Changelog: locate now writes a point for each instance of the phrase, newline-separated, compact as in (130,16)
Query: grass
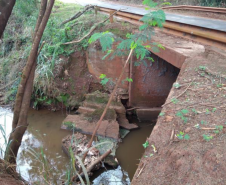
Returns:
(17,43)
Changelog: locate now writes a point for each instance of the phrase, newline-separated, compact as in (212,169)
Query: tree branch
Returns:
(77,15)
(91,30)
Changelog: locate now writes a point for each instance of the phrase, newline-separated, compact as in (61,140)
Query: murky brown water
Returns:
(44,131)
(131,150)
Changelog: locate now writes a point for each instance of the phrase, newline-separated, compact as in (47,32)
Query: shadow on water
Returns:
(44,131)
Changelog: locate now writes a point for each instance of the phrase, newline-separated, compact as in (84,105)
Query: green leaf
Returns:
(184,111)
(150,3)
(162,114)
(104,81)
(146,144)
(186,137)
(166,3)
(129,79)
(161,46)
(102,76)
(214,109)
(179,114)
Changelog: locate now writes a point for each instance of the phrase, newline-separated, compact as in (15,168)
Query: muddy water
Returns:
(44,132)
(131,150)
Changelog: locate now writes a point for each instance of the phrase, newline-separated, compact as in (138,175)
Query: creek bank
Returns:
(186,145)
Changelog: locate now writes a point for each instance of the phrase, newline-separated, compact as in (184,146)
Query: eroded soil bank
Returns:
(187,143)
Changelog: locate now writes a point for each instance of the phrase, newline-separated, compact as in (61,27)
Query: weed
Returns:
(194,110)
(162,114)
(204,122)
(207,137)
(69,125)
(214,109)
(174,100)
(182,114)
(182,136)
(218,129)
(146,144)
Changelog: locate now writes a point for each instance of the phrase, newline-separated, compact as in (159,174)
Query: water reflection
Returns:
(43,132)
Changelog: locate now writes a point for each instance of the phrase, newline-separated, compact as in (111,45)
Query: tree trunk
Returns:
(25,88)
(6,7)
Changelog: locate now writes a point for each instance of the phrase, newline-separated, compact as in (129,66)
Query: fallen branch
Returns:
(77,15)
(178,95)
(144,164)
(172,135)
(207,128)
(91,30)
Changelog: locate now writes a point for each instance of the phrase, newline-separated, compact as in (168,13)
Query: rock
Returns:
(187,130)
(112,177)
(111,144)
(79,123)
(129,126)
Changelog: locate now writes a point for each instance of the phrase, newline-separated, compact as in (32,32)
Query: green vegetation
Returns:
(17,43)
(207,137)
(182,136)
(182,115)
(146,144)
(69,125)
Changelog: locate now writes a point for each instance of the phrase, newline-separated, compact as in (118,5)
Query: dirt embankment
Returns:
(8,175)
(187,143)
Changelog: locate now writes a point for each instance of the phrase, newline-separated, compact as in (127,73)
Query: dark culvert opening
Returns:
(152,82)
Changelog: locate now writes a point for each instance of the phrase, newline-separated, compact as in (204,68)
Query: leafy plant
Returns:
(146,144)
(194,110)
(104,79)
(203,122)
(161,113)
(207,137)
(182,136)
(182,114)
(174,100)
(218,129)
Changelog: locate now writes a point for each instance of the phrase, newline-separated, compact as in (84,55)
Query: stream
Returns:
(44,132)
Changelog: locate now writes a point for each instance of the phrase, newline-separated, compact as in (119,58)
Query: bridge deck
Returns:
(214,24)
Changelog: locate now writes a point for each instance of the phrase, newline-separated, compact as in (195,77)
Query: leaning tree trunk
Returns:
(6,7)
(25,88)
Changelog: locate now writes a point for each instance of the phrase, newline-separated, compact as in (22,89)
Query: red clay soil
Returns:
(9,176)
(187,145)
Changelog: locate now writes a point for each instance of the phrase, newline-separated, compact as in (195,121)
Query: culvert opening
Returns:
(151,86)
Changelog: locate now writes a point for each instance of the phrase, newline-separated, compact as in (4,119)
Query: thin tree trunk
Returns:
(6,7)
(26,86)
(31,60)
